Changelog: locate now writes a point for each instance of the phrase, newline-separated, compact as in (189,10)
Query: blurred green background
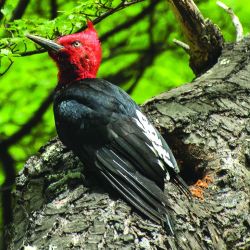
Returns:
(138,55)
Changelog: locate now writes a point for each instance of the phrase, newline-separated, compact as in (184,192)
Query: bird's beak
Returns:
(45,43)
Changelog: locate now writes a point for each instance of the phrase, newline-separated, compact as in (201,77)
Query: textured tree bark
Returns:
(203,37)
(208,126)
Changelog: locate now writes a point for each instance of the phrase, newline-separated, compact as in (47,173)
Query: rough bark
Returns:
(207,124)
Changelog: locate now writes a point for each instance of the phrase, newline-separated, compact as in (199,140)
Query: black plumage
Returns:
(107,130)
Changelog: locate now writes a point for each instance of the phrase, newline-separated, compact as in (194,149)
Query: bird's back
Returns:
(87,107)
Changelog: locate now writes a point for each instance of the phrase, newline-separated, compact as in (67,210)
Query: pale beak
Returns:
(45,43)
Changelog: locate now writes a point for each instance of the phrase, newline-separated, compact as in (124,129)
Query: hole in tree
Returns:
(191,169)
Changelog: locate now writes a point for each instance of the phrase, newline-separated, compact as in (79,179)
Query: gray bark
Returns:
(206,122)
(203,37)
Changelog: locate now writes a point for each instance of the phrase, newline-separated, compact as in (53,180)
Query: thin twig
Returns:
(131,21)
(236,22)
(134,51)
(182,45)
(32,52)
(11,62)
(121,6)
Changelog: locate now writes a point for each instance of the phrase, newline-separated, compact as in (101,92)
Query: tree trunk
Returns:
(206,123)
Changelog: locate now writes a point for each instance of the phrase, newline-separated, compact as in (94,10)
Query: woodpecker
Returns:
(107,130)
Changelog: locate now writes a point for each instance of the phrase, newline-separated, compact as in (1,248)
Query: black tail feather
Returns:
(143,194)
(183,187)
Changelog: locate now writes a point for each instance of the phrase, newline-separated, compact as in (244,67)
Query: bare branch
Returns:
(146,59)
(182,45)
(235,20)
(203,37)
(5,71)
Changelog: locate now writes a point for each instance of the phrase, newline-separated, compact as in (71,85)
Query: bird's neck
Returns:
(72,73)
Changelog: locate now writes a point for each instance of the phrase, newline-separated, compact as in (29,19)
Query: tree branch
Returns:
(131,21)
(235,20)
(121,6)
(147,58)
(97,20)
(203,37)
(53,8)
(32,52)
(19,10)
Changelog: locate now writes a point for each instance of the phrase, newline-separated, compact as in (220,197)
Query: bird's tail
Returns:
(167,223)
(183,187)
(138,190)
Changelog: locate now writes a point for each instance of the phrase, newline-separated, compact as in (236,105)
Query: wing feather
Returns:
(144,194)
(149,154)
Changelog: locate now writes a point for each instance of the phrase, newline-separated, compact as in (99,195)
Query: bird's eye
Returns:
(76,44)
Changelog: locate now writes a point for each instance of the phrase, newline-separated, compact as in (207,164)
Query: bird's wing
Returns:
(136,164)
(137,138)
(163,154)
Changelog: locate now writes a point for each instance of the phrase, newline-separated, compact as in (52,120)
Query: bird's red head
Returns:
(77,55)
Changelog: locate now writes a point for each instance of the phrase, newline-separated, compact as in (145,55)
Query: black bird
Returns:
(106,129)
